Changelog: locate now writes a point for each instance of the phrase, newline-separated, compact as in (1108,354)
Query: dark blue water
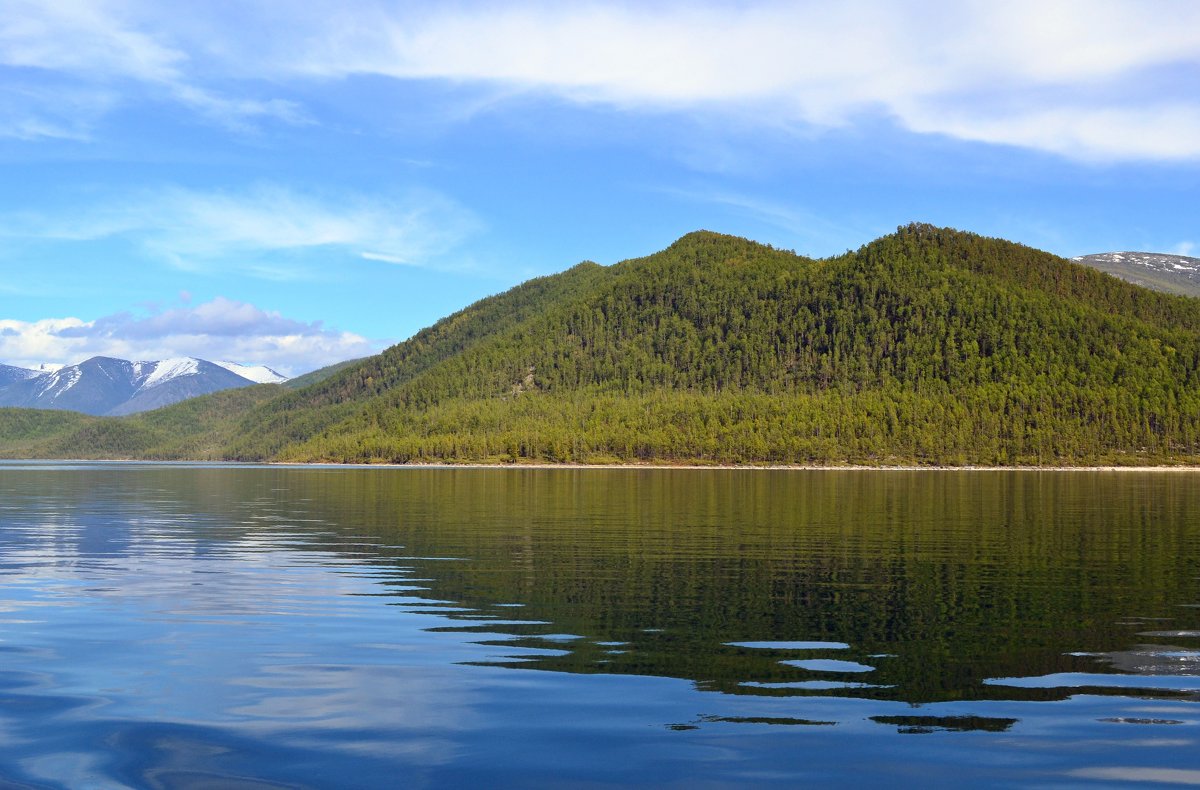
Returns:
(176,626)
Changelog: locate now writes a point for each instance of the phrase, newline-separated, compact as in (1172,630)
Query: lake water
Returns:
(209,626)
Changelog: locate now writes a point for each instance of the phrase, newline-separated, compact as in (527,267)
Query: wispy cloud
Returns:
(32,111)
(1184,248)
(386,258)
(203,230)
(807,226)
(99,49)
(218,329)
(83,36)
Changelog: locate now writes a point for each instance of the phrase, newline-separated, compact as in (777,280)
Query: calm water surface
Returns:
(193,626)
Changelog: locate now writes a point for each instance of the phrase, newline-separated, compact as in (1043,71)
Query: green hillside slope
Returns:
(320,374)
(28,433)
(926,346)
(195,429)
(299,415)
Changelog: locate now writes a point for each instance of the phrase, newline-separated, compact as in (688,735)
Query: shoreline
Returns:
(1187,468)
(751,467)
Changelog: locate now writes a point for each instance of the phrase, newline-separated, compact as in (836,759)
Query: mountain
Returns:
(162,383)
(10,374)
(926,346)
(107,386)
(1177,274)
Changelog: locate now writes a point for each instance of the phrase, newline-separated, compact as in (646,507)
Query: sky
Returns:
(298,183)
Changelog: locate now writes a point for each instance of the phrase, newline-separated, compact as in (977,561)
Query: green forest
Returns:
(927,346)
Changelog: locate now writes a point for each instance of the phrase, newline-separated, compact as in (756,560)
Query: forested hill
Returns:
(928,345)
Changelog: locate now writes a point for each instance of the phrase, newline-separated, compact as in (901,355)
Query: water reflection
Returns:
(172,626)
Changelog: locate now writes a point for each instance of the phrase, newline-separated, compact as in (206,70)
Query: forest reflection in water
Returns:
(819,599)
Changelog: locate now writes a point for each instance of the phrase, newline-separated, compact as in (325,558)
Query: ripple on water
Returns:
(791,645)
(1170,634)
(1153,660)
(1131,720)
(914,725)
(1100,680)
(810,685)
(828,665)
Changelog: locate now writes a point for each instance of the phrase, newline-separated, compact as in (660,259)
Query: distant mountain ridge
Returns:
(114,387)
(10,374)
(1176,274)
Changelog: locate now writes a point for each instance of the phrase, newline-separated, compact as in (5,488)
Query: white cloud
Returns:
(1186,248)
(215,330)
(28,344)
(1102,80)
(966,69)
(197,230)
(386,258)
(1163,132)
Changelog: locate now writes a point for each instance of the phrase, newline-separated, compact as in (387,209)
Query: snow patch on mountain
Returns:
(1150,260)
(259,374)
(164,370)
(60,381)
(1161,271)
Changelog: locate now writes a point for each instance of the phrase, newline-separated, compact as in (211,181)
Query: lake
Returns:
(222,626)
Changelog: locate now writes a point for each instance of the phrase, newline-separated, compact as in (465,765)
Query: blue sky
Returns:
(294,184)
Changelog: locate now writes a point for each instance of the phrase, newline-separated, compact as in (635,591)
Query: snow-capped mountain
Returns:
(107,386)
(259,374)
(11,373)
(1177,274)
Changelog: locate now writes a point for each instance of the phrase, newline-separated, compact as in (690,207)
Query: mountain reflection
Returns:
(907,586)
